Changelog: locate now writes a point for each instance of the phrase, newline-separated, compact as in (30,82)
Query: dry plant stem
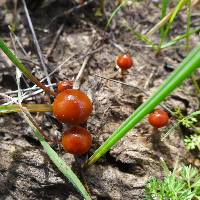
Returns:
(53,44)
(165,20)
(118,46)
(36,42)
(20,45)
(149,79)
(77,81)
(25,110)
(5,109)
(28,89)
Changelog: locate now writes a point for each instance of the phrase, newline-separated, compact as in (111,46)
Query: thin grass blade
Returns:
(25,71)
(60,164)
(189,5)
(141,37)
(180,5)
(165,4)
(188,65)
(115,12)
(179,38)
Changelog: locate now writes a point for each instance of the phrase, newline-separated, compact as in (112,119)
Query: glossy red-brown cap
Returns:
(159,118)
(76,140)
(72,107)
(64,85)
(124,61)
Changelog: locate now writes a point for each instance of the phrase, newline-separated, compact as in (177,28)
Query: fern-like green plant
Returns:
(181,184)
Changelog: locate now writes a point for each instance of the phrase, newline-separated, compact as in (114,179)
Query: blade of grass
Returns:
(60,164)
(123,3)
(165,4)
(165,20)
(178,38)
(180,5)
(25,71)
(5,109)
(189,4)
(141,37)
(188,65)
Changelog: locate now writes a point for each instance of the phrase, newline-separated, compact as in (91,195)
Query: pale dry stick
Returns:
(118,46)
(36,42)
(78,78)
(18,73)
(24,51)
(53,44)
(20,45)
(25,96)
(76,84)
(26,112)
(28,89)
(165,20)
(12,35)
(149,79)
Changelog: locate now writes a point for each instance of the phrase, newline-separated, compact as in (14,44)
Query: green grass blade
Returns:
(188,24)
(181,3)
(165,4)
(25,71)
(178,38)
(5,109)
(141,37)
(188,65)
(115,12)
(60,164)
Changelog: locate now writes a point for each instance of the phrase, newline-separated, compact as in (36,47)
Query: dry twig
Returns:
(36,42)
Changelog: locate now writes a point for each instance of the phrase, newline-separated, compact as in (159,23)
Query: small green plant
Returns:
(181,184)
(192,141)
(164,25)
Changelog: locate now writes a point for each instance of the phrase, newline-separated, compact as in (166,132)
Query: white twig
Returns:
(36,42)
(149,79)
(59,31)
(18,72)
(28,89)
(76,84)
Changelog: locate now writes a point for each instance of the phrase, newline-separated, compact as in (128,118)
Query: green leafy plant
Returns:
(192,141)
(164,25)
(181,184)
